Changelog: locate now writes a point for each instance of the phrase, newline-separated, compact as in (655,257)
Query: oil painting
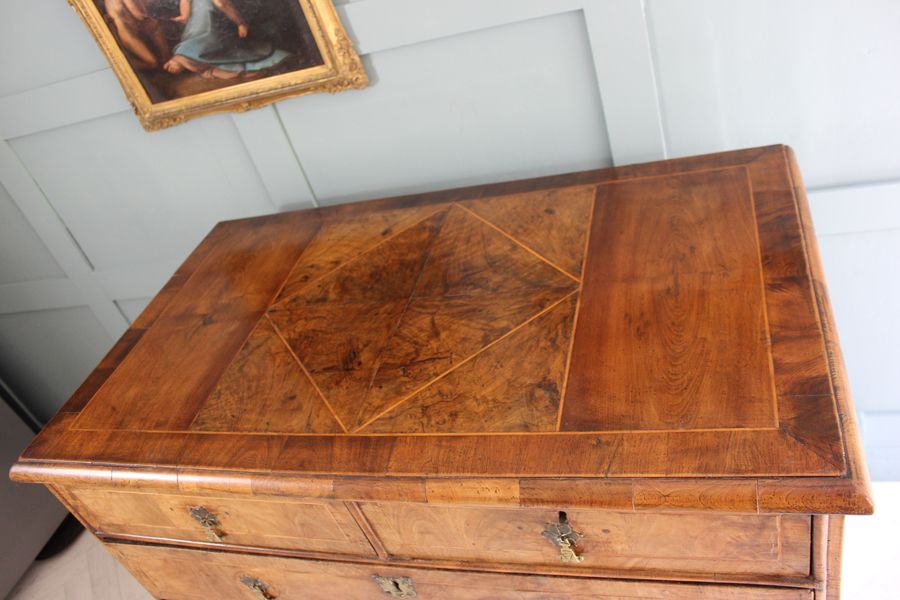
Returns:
(179,59)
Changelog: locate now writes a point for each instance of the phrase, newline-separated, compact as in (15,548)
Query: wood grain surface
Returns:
(430,337)
(181,356)
(287,525)
(263,389)
(378,329)
(341,240)
(191,574)
(728,545)
(554,223)
(672,332)
(523,375)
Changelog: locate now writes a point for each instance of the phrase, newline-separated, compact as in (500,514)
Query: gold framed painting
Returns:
(180,59)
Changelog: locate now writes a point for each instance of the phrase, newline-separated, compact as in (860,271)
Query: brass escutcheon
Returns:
(398,587)
(209,522)
(258,587)
(562,535)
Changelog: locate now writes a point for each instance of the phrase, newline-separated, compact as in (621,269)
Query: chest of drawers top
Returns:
(655,336)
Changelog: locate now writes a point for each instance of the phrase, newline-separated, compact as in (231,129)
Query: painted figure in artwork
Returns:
(179,48)
(217,42)
(140,34)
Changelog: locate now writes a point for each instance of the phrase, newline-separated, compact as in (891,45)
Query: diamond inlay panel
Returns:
(389,322)
(554,223)
(265,389)
(340,326)
(341,240)
(523,376)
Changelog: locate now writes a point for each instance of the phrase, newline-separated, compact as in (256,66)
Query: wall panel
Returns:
(23,256)
(129,197)
(753,72)
(856,208)
(46,354)
(503,103)
(879,430)
(862,277)
(43,42)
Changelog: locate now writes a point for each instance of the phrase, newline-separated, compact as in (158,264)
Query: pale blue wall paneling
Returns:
(880,431)
(23,256)
(46,354)
(865,290)
(129,197)
(820,77)
(502,103)
(43,42)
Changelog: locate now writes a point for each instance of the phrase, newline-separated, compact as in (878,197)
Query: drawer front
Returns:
(311,526)
(181,574)
(689,543)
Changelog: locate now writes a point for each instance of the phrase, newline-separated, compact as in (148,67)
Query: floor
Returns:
(86,572)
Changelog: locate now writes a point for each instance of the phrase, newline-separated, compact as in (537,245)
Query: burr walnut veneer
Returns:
(609,384)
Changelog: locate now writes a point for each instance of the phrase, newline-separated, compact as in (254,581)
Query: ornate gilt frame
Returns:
(342,70)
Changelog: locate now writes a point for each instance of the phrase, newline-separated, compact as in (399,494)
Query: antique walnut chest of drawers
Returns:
(621,383)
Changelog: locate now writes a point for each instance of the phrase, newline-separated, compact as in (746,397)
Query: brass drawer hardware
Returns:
(398,587)
(209,522)
(258,587)
(561,534)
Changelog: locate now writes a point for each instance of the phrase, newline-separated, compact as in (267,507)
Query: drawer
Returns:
(182,574)
(698,544)
(266,523)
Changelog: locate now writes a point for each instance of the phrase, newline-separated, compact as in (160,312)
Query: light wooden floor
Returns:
(85,571)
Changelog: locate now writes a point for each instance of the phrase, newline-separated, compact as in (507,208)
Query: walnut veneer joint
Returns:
(366,527)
